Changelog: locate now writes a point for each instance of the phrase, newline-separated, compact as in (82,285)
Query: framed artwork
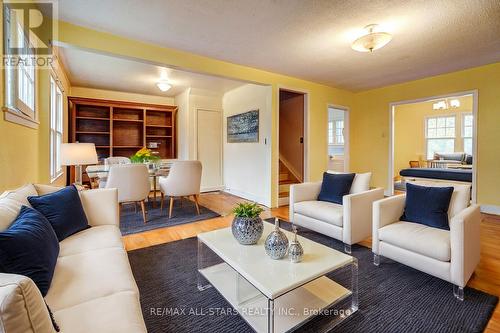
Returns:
(243,127)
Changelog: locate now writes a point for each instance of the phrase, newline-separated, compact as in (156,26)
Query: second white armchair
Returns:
(451,255)
(350,222)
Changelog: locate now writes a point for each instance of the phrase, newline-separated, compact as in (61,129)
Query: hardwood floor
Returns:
(486,277)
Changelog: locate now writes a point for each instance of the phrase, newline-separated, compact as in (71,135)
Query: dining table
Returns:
(100,172)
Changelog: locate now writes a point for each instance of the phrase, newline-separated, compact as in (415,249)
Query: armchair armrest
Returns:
(386,211)
(465,244)
(303,192)
(358,215)
(101,206)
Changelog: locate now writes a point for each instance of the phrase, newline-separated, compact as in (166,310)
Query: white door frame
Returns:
(392,107)
(346,132)
(221,158)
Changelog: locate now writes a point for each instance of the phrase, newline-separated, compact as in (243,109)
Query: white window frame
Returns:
(427,138)
(20,81)
(333,137)
(56,128)
(462,118)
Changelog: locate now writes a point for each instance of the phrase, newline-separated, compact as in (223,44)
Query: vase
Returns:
(276,244)
(247,230)
(295,250)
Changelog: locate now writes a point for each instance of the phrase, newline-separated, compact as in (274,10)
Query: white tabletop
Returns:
(273,277)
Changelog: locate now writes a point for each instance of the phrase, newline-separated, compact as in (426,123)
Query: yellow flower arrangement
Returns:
(144,155)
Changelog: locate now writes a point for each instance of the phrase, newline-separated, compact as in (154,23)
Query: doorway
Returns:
(338,138)
(209,148)
(433,139)
(292,119)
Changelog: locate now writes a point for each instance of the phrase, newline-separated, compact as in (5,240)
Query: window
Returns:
(20,73)
(440,135)
(467,130)
(56,114)
(336,132)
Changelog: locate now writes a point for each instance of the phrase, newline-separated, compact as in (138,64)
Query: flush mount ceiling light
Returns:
(371,40)
(163,85)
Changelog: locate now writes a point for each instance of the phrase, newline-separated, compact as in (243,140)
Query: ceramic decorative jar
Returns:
(276,242)
(295,250)
(247,230)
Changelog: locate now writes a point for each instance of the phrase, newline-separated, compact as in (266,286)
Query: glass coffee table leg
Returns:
(202,282)
(270,316)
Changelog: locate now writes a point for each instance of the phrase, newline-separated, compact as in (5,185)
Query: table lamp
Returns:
(78,154)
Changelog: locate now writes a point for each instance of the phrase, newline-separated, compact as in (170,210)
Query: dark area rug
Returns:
(392,297)
(131,222)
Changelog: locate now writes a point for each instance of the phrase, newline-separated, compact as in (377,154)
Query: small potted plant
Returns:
(247,226)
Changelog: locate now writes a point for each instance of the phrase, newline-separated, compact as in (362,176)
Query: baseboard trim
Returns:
(490,209)
(212,189)
(248,196)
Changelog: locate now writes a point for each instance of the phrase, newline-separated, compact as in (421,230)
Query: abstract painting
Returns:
(243,127)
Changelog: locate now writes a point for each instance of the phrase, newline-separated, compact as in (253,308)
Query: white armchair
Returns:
(183,180)
(449,255)
(350,222)
(132,182)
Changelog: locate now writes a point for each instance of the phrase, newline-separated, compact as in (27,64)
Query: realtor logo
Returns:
(28,32)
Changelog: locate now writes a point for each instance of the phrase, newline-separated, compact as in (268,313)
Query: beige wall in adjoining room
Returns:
(120,96)
(409,129)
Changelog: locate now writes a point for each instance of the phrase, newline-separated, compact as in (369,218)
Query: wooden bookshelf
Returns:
(121,128)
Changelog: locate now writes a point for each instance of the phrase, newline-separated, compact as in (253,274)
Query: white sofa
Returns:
(93,289)
(350,222)
(451,255)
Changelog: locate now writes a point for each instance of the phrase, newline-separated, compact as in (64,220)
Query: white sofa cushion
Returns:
(361,182)
(90,275)
(119,312)
(419,238)
(99,237)
(460,199)
(22,308)
(321,210)
(11,203)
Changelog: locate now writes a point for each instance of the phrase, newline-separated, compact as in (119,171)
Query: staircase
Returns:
(286,179)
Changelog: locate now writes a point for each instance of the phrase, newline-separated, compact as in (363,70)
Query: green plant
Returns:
(144,155)
(250,210)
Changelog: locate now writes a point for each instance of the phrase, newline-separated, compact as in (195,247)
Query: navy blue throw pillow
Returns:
(427,205)
(335,186)
(30,247)
(63,209)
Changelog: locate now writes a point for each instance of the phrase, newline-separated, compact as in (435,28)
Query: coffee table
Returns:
(278,295)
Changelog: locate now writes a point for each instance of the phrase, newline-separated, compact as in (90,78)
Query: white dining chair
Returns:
(116,160)
(132,182)
(183,180)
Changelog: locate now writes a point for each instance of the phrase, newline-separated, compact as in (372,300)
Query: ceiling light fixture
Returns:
(445,104)
(163,85)
(371,40)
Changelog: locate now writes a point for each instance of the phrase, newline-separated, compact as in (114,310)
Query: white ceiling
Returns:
(92,70)
(310,38)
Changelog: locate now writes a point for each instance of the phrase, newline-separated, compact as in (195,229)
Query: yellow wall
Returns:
(409,130)
(370,124)
(319,95)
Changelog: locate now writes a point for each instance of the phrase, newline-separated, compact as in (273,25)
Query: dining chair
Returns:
(183,180)
(116,160)
(132,182)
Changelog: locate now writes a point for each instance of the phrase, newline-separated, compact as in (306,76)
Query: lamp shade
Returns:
(78,154)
